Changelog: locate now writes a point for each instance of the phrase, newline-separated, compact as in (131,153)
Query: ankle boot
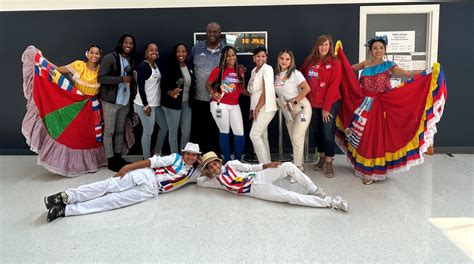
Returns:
(113,164)
(121,162)
(225,145)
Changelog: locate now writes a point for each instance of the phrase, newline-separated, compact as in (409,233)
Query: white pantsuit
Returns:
(260,80)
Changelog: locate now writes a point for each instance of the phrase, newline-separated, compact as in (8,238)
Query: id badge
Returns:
(303,117)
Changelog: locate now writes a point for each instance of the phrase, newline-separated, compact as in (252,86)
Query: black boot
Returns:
(56,212)
(120,160)
(55,200)
(113,164)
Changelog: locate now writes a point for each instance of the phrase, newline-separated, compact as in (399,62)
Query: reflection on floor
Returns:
(404,219)
(459,230)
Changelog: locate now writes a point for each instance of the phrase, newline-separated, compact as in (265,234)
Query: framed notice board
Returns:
(412,32)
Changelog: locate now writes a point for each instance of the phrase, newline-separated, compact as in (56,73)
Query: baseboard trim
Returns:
(437,150)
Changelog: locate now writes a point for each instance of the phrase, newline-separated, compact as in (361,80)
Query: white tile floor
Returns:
(422,216)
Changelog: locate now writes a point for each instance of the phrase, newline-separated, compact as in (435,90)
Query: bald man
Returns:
(204,56)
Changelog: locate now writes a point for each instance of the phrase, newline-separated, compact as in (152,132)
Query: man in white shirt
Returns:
(257,181)
(133,183)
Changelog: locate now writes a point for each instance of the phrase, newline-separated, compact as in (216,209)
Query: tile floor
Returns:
(421,216)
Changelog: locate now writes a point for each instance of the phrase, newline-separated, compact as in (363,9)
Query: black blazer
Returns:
(169,82)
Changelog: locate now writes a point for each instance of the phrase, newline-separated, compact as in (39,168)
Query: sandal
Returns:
(367,181)
(329,169)
(319,165)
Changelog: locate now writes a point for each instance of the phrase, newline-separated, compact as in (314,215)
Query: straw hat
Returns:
(191,148)
(208,157)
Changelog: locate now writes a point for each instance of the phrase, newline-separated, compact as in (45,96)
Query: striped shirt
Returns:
(172,172)
(238,177)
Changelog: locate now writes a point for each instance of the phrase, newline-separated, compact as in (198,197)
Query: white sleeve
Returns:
(195,174)
(269,78)
(244,167)
(207,182)
(158,161)
(270,96)
(299,78)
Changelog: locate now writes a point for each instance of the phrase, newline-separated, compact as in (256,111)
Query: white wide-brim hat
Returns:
(191,148)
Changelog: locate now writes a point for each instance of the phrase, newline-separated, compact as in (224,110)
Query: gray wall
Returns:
(64,35)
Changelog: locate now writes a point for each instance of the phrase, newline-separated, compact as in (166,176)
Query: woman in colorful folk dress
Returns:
(65,132)
(84,73)
(385,129)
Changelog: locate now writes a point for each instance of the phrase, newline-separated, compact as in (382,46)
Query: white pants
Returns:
(263,187)
(231,116)
(112,193)
(297,130)
(259,135)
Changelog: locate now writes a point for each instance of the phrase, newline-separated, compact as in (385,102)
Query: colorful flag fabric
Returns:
(70,117)
(235,183)
(63,126)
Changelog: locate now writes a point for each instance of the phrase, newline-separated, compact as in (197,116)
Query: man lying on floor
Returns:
(133,183)
(257,181)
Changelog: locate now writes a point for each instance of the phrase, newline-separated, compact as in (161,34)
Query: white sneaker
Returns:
(291,180)
(340,204)
(320,193)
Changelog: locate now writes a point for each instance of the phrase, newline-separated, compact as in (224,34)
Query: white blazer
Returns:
(255,88)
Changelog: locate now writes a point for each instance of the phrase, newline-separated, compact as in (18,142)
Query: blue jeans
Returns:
(178,119)
(325,132)
(148,123)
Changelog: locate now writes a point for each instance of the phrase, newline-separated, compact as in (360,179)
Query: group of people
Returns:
(143,180)
(199,92)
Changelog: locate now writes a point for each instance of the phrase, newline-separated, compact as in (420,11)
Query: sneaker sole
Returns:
(48,206)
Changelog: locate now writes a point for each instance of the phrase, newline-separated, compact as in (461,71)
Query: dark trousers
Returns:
(204,130)
(324,132)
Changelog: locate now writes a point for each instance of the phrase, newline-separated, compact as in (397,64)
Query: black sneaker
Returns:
(56,212)
(56,199)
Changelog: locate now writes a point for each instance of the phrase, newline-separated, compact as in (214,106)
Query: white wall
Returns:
(30,5)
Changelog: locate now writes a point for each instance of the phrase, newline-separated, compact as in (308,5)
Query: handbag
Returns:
(281,103)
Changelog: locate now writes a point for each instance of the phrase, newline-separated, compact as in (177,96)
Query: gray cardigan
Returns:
(109,78)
